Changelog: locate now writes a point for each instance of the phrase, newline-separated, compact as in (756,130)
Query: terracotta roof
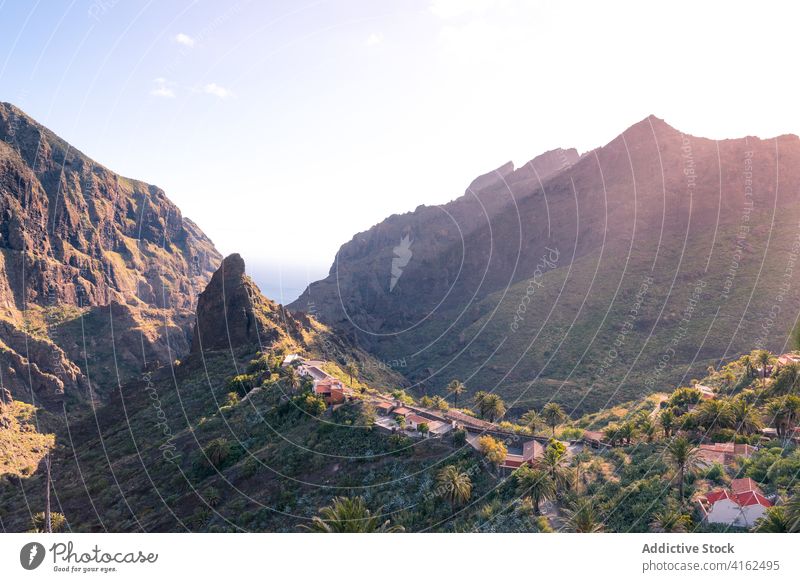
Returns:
(385,405)
(752,498)
(417,419)
(743,485)
(718,495)
(402,411)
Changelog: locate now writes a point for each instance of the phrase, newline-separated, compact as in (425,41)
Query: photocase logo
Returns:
(402,255)
(31,555)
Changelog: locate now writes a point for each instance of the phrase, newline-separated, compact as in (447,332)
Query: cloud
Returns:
(184,39)
(374,39)
(161,88)
(217,91)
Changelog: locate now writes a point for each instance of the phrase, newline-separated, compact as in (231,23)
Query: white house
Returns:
(740,506)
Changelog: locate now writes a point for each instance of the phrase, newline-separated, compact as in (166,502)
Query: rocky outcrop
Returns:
(232,313)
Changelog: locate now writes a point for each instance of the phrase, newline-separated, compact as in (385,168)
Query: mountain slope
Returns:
(630,269)
(85,252)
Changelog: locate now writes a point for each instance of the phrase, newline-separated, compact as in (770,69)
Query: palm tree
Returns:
(684,455)
(57,522)
(745,417)
(554,461)
(292,377)
(787,381)
(454,486)
(583,519)
(713,415)
(456,388)
(478,398)
(535,483)
(782,413)
(350,515)
(647,428)
(217,451)
(774,521)
(670,521)
(747,362)
(626,432)
(492,407)
(532,420)
(762,358)
(352,370)
(667,421)
(611,433)
(553,415)
(793,514)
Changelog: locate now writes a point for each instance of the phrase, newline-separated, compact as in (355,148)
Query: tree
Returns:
(793,514)
(583,519)
(774,521)
(611,433)
(670,521)
(745,417)
(554,461)
(493,450)
(532,420)
(456,388)
(352,370)
(217,452)
(292,377)
(453,485)
(787,381)
(57,522)
(439,403)
(423,428)
(747,363)
(647,428)
(626,432)
(782,413)
(535,483)
(762,358)
(713,415)
(350,515)
(492,407)
(478,398)
(553,415)
(684,455)
(667,421)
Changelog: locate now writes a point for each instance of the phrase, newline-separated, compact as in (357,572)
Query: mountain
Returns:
(98,273)
(140,461)
(594,280)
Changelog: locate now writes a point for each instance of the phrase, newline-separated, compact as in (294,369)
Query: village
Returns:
(741,503)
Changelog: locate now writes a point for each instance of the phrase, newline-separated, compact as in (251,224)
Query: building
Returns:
(291,358)
(595,439)
(706,392)
(516,457)
(788,358)
(740,506)
(414,420)
(331,390)
(723,453)
(384,408)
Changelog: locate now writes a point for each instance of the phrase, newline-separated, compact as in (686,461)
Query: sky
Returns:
(283,128)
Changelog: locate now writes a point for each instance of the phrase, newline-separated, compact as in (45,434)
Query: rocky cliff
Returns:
(91,263)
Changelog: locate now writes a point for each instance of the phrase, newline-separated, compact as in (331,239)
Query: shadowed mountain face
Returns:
(96,270)
(588,280)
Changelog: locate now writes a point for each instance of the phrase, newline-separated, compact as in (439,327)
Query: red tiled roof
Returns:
(717,495)
(744,485)
(384,405)
(402,411)
(416,418)
(752,498)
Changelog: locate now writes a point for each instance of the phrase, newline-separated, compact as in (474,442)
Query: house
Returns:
(466,421)
(741,505)
(788,358)
(414,420)
(401,411)
(595,439)
(291,358)
(706,392)
(439,428)
(723,453)
(331,390)
(384,408)
(516,457)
